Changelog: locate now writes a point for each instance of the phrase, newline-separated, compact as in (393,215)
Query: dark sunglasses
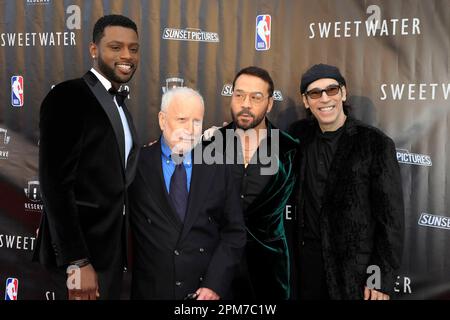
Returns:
(316,93)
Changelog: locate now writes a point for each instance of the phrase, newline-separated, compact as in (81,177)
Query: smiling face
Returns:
(181,123)
(116,54)
(328,110)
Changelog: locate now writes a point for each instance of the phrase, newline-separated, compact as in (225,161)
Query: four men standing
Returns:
(214,231)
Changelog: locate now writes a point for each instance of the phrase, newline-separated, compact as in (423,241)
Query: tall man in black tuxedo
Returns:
(350,197)
(87,159)
(185,215)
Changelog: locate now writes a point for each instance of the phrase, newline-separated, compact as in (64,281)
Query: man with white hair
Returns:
(186,218)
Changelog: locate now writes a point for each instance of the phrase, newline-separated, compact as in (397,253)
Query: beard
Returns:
(256,119)
(110,74)
(183,142)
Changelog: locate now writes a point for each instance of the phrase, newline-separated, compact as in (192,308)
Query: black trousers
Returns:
(312,280)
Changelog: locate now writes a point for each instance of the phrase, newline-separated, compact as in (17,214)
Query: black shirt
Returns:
(249,179)
(319,155)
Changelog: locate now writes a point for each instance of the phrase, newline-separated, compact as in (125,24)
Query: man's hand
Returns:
(209,133)
(372,294)
(206,294)
(88,289)
(150,143)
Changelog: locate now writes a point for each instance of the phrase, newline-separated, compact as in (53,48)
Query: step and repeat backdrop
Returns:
(394,55)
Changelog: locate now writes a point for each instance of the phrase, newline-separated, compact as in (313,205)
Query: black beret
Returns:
(320,71)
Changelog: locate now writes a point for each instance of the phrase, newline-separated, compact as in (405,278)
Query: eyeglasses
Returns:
(316,93)
(255,97)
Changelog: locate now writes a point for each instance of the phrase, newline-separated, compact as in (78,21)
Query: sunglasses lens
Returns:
(332,91)
(315,94)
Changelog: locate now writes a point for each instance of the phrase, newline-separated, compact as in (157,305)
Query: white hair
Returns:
(170,94)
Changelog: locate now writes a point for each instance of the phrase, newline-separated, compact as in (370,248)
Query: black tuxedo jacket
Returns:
(83,178)
(362,213)
(171,258)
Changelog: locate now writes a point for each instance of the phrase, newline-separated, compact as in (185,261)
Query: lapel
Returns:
(343,150)
(108,105)
(200,181)
(154,181)
(134,152)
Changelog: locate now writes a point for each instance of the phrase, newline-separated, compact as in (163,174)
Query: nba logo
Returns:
(263,27)
(17,91)
(12,285)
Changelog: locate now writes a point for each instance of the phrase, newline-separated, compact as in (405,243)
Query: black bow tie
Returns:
(120,95)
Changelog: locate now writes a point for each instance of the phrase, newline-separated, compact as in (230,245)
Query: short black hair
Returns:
(111,20)
(257,72)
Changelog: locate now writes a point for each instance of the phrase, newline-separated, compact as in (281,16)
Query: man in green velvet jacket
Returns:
(262,158)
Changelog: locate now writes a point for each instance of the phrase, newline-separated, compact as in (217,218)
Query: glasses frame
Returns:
(245,94)
(330,87)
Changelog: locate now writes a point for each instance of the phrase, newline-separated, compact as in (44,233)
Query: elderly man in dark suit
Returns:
(87,159)
(186,218)
(350,197)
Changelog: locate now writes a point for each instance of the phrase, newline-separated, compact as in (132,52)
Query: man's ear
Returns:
(305,101)
(93,50)
(269,108)
(162,120)
(344,93)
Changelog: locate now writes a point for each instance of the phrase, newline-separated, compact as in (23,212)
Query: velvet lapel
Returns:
(134,152)
(154,180)
(108,105)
